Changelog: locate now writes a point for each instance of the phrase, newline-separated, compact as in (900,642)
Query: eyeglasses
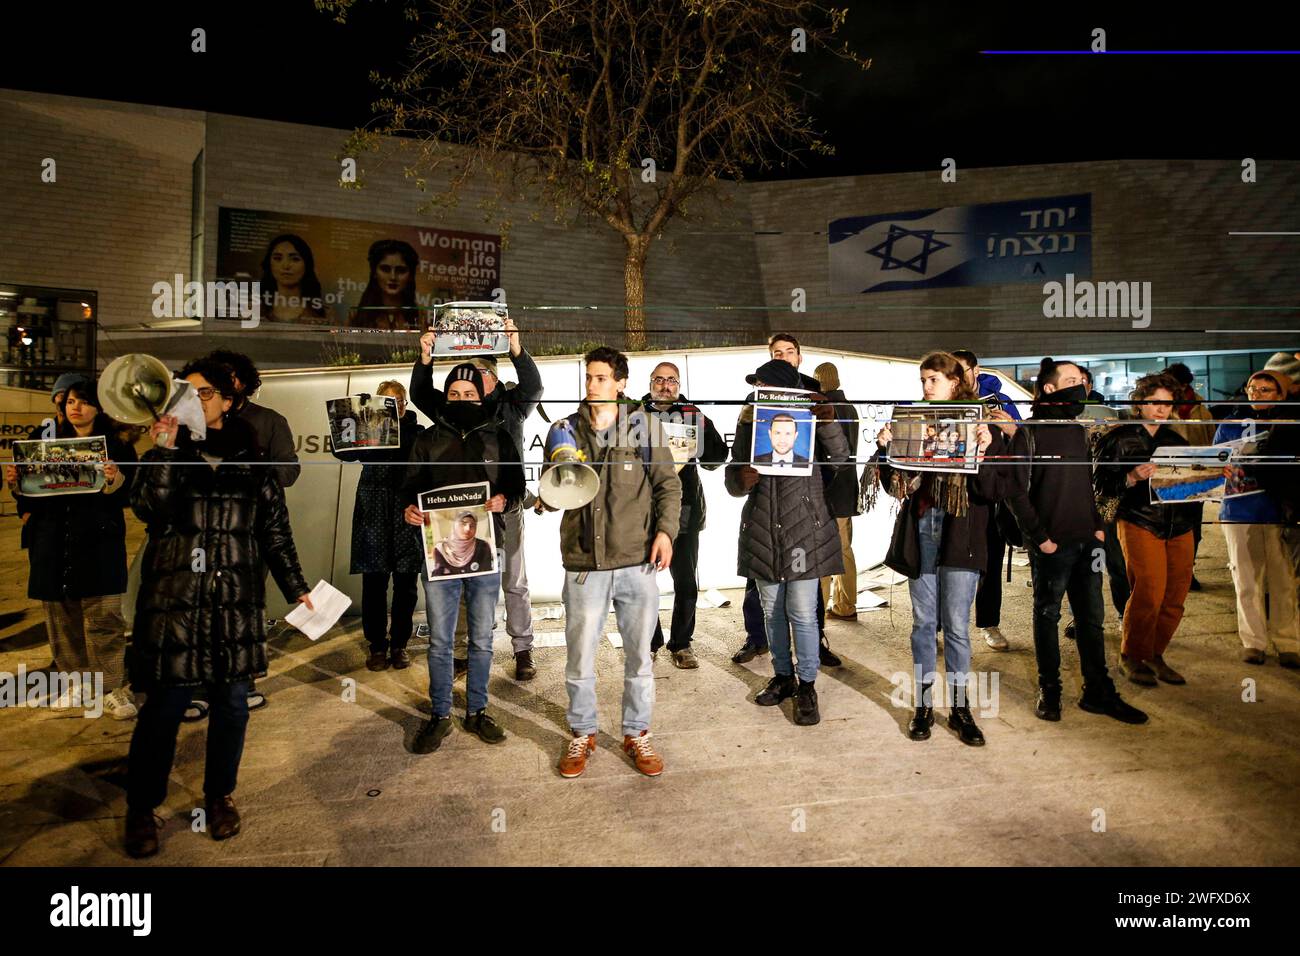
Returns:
(660,380)
(206,392)
(1261,390)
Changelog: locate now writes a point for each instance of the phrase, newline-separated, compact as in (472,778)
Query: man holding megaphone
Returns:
(617,533)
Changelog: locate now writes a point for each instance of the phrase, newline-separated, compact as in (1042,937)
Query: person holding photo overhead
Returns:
(788,542)
(465,445)
(940,543)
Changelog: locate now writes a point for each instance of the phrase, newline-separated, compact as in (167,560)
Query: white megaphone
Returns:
(136,389)
(571,483)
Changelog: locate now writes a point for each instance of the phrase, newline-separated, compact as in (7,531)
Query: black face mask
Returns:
(1065,402)
(464,415)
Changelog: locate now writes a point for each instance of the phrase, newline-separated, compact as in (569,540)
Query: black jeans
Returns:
(1068,572)
(153,744)
(374,610)
(756,626)
(988,597)
(1116,569)
(686,591)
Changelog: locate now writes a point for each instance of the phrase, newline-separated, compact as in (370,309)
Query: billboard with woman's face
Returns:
(317,270)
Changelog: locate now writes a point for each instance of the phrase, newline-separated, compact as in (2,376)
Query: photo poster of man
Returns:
(936,437)
(683,441)
(344,273)
(459,537)
(470,328)
(363,422)
(783,432)
(61,466)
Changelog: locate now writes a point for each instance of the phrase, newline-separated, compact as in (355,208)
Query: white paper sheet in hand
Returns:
(188,409)
(329,603)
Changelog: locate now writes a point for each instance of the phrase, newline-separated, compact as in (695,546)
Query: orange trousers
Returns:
(1159,574)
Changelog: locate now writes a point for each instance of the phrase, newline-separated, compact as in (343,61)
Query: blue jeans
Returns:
(442,607)
(946,591)
(791,606)
(635,595)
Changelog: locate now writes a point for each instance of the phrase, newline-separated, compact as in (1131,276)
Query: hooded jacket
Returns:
(990,386)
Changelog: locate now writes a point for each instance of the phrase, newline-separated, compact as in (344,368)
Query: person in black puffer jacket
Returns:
(77,553)
(382,543)
(940,542)
(1158,539)
(216,518)
(788,542)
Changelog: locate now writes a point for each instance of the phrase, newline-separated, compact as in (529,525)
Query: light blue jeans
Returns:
(790,608)
(442,607)
(634,592)
(940,590)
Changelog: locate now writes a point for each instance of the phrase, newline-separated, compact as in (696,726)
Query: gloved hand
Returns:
(749,477)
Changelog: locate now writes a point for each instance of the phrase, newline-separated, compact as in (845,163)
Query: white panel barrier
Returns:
(320,502)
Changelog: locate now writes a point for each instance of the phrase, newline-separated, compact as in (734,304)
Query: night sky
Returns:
(929,93)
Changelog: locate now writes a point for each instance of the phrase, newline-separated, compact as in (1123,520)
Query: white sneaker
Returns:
(119,705)
(994,639)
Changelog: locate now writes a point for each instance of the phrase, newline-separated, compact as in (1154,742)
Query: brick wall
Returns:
(1165,222)
(117,218)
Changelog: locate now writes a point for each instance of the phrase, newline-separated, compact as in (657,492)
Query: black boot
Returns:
(778,689)
(960,720)
(918,728)
(1107,701)
(805,706)
(1049,702)
(827,657)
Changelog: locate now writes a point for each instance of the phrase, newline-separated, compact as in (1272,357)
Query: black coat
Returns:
(713,454)
(964,541)
(381,538)
(786,531)
(1130,445)
(76,544)
(202,623)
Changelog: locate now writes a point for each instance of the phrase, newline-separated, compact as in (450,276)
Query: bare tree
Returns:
(623,112)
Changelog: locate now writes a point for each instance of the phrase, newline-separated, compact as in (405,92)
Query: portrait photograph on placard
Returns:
(459,537)
(61,466)
(363,422)
(683,441)
(470,328)
(783,432)
(1189,474)
(935,437)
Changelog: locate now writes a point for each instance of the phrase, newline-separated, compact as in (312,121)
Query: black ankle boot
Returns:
(778,689)
(1049,702)
(805,705)
(960,720)
(918,728)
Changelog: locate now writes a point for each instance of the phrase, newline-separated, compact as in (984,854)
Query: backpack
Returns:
(1003,515)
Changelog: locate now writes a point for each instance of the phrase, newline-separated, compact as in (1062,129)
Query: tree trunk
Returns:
(634,292)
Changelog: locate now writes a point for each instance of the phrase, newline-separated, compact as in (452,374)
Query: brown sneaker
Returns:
(377,661)
(1165,672)
(223,818)
(399,658)
(642,754)
(1252,655)
(575,760)
(141,834)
